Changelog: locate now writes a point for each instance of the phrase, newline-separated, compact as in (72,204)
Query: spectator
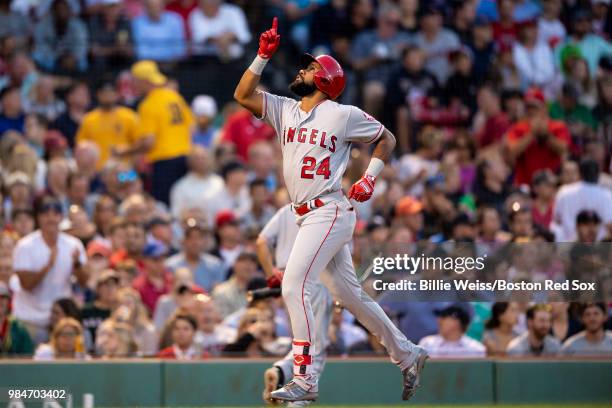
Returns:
(158,35)
(550,29)
(581,195)
(42,100)
(544,188)
(66,342)
(263,164)
(526,51)
(61,308)
(207,269)
(461,86)
(256,336)
(483,48)
(46,277)
(111,37)
(60,40)
(200,187)
(414,168)
(537,142)
(86,155)
(234,197)
(577,117)
(242,130)
(580,78)
(58,173)
(437,42)
(12,117)
(505,30)
(500,328)
(218,29)
(211,336)
(491,122)
(591,46)
(451,340)
(14,337)
(374,53)
(588,225)
(78,101)
(409,211)
(14,25)
(230,295)
(229,238)
(520,222)
(491,186)
(154,280)
(183,333)
(19,193)
(536,341)
(135,242)
(407,87)
(594,340)
(160,230)
(261,211)
(131,312)
(115,340)
(164,130)
(204,109)
(95,313)
(179,299)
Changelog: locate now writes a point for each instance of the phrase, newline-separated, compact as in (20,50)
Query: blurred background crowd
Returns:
(133,190)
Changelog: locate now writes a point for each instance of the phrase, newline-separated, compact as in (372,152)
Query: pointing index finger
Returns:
(275,24)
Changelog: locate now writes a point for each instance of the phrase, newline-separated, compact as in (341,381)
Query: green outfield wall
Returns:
(153,383)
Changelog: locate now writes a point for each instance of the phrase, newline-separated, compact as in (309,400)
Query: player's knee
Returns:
(290,291)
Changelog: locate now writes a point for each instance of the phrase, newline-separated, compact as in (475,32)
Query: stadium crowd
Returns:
(130,216)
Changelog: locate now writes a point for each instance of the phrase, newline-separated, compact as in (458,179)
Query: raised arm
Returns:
(245,93)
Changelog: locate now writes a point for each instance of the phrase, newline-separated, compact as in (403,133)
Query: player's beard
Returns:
(301,88)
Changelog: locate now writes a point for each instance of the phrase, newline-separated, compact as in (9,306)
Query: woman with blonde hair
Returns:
(66,342)
(132,311)
(115,340)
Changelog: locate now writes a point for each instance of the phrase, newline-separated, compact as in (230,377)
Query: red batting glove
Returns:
(276,279)
(269,41)
(362,190)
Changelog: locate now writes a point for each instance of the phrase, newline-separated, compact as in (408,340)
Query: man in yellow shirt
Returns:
(164,131)
(110,126)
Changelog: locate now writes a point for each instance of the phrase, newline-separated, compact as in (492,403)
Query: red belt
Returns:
(308,207)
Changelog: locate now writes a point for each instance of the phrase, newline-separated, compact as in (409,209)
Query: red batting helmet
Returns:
(330,78)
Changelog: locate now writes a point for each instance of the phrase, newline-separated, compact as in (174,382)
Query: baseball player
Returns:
(315,135)
(280,232)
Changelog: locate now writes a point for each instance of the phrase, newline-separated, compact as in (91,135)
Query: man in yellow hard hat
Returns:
(164,132)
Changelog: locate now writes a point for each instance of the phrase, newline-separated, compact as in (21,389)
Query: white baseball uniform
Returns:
(316,148)
(280,232)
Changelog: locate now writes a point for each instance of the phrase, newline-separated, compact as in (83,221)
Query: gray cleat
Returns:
(296,404)
(293,392)
(412,375)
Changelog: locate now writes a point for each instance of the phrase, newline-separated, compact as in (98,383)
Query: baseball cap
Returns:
(154,249)
(455,312)
(408,206)
(204,105)
(98,248)
(4,290)
(588,217)
(225,217)
(18,177)
(148,71)
(534,96)
(106,275)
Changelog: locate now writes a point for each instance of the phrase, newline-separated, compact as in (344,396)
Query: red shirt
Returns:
(176,7)
(243,129)
(542,219)
(505,36)
(537,156)
(493,130)
(149,293)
